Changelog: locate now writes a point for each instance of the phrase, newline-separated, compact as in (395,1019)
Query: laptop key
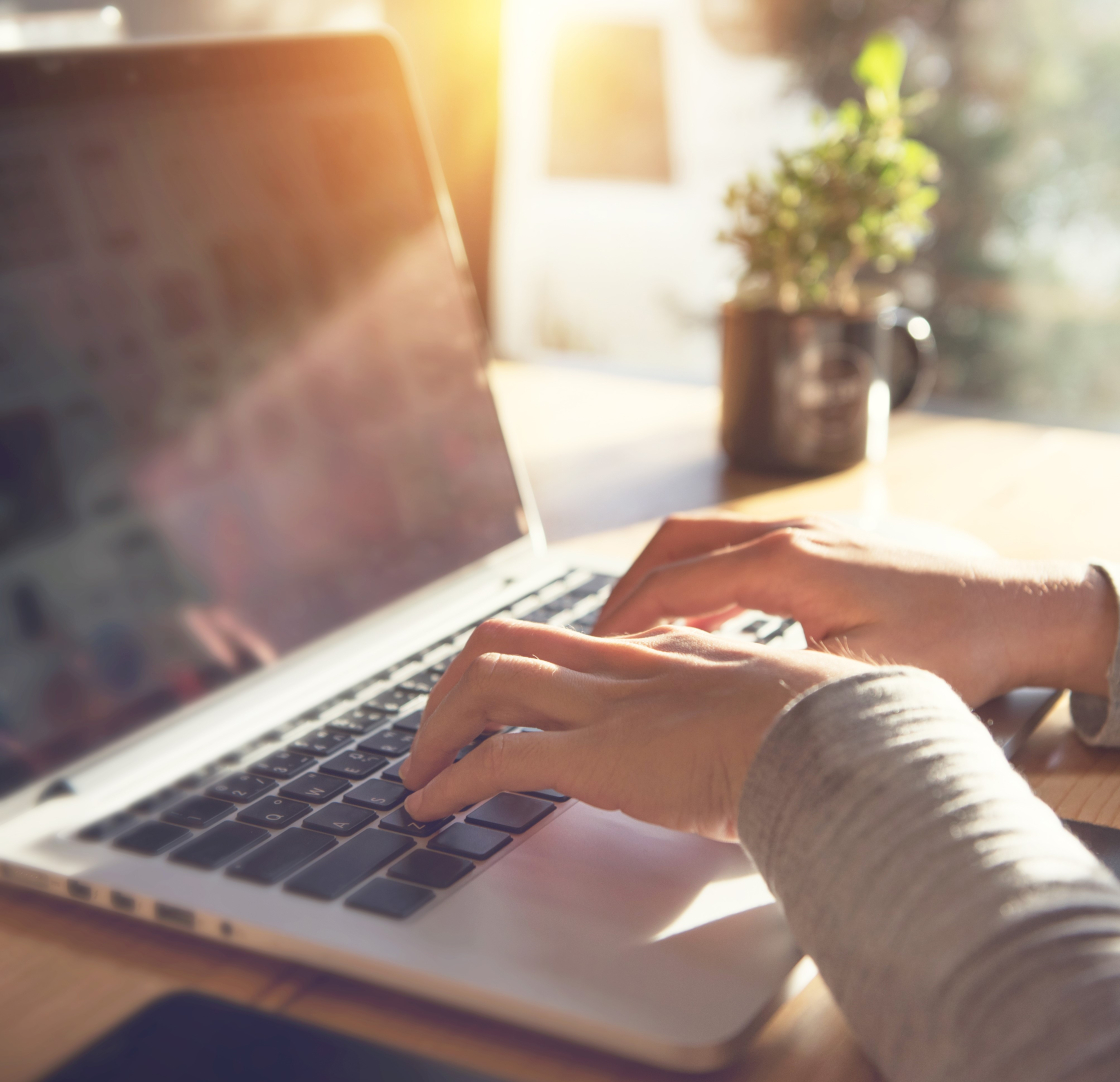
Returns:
(156,801)
(422,682)
(342,819)
(511,812)
(410,723)
(320,742)
(474,843)
(315,788)
(548,794)
(392,773)
(594,585)
(378,794)
(114,824)
(387,743)
(367,710)
(198,812)
(348,865)
(781,629)
(392,700)
(241,788)
(403,823)
(151,838)
(388,898)
(353,764)
(273,812)
(279,858)
(355,726)
(430,869)
(215,847)
(282,764)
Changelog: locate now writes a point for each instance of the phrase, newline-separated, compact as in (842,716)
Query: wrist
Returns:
(1067,624)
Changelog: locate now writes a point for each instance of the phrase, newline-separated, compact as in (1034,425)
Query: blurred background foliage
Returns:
(1022,276)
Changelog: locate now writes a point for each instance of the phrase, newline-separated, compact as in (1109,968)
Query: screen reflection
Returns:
(241,399)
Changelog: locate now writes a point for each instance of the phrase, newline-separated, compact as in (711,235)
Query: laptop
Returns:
(254,495)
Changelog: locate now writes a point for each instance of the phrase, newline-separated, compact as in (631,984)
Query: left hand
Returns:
(985,624)
(662,725)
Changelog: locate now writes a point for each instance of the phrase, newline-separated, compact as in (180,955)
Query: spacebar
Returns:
(281,856)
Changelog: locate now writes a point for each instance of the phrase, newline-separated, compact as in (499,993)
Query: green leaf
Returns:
(917,157)
(849,115)
(881,64)
(924,198)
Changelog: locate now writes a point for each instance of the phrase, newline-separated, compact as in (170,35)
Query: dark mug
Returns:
(812,392)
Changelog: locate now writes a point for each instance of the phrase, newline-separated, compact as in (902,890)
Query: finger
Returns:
(508,762)
(683,537)
(499,690)
(715,620)
(760,574)
(693,642)
(559,645)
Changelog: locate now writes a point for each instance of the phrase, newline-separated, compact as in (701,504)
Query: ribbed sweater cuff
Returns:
(1098,719)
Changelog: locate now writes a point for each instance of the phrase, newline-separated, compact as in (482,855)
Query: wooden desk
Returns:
(605,453)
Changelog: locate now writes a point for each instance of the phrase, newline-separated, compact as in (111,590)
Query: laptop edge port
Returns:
(173,914)
(79,890)
(124,902)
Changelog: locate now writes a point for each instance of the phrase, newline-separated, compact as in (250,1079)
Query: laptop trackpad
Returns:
(669,932)
(606,870)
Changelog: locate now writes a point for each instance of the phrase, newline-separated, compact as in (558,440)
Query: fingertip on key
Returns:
(412,804)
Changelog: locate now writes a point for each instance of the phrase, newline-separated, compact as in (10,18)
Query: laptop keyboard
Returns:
(321,814)
(315,804)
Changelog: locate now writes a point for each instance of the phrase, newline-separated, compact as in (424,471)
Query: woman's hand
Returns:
(662,725)
(984,624)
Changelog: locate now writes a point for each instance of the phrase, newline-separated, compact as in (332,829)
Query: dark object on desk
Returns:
(1011,718)
(193,1038)
(1102,842)
(812,392)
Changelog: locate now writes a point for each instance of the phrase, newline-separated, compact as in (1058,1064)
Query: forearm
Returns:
(965,934)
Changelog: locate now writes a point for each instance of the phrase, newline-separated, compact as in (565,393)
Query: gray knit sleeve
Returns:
(1098,720)
(966,935)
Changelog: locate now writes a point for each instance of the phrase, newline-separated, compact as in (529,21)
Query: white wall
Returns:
(621,274)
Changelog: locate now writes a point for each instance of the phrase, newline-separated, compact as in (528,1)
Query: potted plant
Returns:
(806,353)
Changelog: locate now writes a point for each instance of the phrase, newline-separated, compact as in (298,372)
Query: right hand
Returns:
(984,624)
(662,726)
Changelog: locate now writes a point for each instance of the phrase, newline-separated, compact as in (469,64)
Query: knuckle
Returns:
(686,639)
(783,540)
(493,756)
(481,669)
(678,525)
(489,630)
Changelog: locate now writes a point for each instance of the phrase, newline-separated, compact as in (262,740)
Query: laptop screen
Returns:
(242,400)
